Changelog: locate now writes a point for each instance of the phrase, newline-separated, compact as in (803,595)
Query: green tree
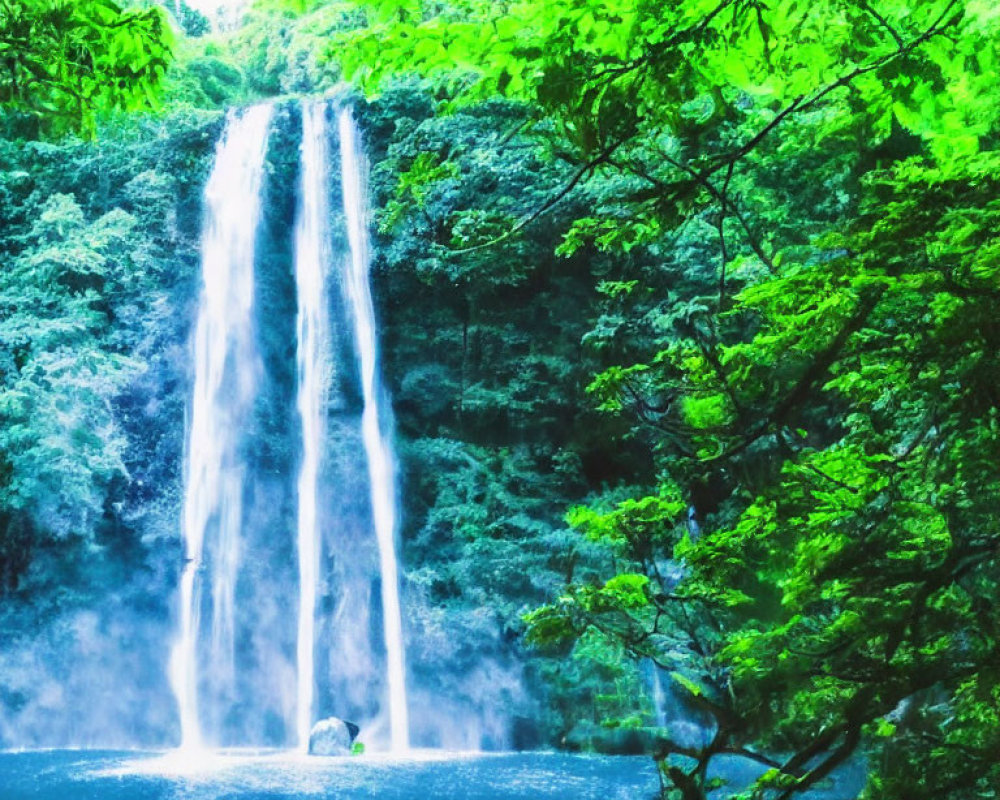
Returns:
(813,378)
(60,444)
(66,60)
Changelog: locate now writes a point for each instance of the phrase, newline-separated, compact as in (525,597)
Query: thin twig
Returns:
(578,176)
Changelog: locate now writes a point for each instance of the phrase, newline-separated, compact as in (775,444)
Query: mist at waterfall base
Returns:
(97,674)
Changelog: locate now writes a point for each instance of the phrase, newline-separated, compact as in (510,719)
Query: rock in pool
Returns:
(332,737)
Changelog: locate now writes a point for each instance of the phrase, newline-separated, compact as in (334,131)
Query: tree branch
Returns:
(802,102)
(578,176)
(819,367)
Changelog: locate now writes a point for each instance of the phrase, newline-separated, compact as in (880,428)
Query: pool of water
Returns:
(105,775)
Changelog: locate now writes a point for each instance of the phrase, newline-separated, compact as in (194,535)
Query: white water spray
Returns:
(378,447)
(312,254)
(226,365)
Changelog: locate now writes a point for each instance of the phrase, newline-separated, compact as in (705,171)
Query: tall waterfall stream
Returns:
(227,366)
(312,249)
(378,444)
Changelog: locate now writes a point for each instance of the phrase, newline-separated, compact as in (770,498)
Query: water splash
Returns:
(378,446)
(226,366)
(311,258)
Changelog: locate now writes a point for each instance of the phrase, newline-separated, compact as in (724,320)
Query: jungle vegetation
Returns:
(690,323)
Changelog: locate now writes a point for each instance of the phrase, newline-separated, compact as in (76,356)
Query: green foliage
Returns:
(94,243)
(607,69)
(59,440)
(68,61)
(788,212)
(278,49)
(718,277)
(483,359)
(193,22)
(646,521)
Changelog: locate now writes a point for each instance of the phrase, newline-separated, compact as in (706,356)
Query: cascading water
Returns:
(226,366)
(312,254)
(377,442)
(659,696)
(229,677)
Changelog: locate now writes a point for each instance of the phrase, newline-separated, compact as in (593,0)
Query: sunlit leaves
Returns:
(794,208)
(67,61)
(587,58)
(645,520)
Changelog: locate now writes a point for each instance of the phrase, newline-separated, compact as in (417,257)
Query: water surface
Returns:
(107,775)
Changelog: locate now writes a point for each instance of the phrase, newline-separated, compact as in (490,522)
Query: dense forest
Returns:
(689,319)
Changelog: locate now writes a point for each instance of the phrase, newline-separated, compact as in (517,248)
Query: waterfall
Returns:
(225,369)
(230,671)
(311,257)
(660,716)
(377,442)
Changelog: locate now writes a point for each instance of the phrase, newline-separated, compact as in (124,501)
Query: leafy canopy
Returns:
(68,60)
(799,199)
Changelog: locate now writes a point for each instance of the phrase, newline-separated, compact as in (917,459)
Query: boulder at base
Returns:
(332,737)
